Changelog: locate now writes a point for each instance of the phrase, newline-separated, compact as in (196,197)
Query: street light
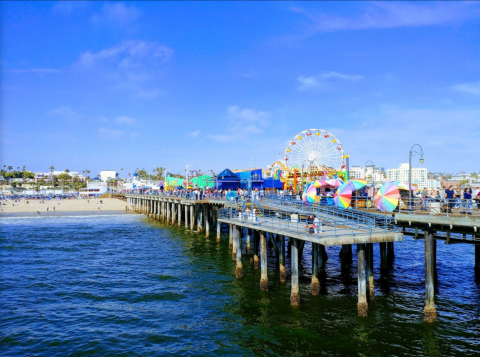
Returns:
(186,174)
(412,153)
(373,172)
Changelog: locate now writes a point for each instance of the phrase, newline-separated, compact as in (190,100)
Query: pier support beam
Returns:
(362,305)
(218,230)
(383,256)
(234,243)
(322,258)
(315,285)
(179,222)
(263,265)
(256,261)
(429,310)
(238,244)
(230,236)
(294,295)
(192,217)
(248,251)
(207,223)
(390,252)
(281,258)
(186,216)
(371,286)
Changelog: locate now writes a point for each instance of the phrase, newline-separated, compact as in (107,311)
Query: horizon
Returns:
(145,85)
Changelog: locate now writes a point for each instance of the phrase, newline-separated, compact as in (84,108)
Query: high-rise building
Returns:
(419,176)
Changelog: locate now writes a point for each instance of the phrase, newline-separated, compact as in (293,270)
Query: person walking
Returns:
(467,200)
(458,197)
(449,199)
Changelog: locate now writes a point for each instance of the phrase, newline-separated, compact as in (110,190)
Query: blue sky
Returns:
(226,84)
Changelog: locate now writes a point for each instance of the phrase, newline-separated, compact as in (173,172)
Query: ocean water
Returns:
(123,285)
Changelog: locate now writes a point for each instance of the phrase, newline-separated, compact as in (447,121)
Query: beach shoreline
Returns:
(57,206)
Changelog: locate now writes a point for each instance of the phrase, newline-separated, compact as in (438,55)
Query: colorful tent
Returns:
(403,185)
(320,183)
(334,182)
(387,197)
(343,196)
(357,184)
(310,195)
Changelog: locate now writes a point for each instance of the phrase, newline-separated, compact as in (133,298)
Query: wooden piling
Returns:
(238,244)
(371,286)
(315,285)
(192,217)
(186,216)
(429,310)
(207,223)
(383,256)
(218,230)
(256,242)
(281,258)
(248,249)
(263,265)
(234,243)
(294,295)
(199,218)
(362,305)
(230,236)
(390,252)
(321,259)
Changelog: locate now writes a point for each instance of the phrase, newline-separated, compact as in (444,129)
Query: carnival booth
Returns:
(227,180)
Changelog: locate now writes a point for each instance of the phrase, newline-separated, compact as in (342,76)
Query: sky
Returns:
(99,85)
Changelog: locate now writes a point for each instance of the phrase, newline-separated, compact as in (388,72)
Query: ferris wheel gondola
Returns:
(314,150)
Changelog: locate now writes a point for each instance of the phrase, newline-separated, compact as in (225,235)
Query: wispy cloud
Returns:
(470,88)
(108,134)
(325,80)
(35,70)
(242,123)
(125,120)
(66,114)
(68,7)
(134,66)
(194,134)
(384,15)
(117,13)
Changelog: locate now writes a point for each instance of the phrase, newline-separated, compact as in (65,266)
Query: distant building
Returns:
(419,176)
(105,175)
(94,188)
(369,173)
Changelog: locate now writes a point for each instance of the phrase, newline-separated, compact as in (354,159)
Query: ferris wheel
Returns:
(314,150)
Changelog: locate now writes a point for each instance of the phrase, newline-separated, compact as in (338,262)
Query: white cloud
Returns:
(325,80)
(383,15)
(133,66)
(104,120)
(470,88)
(242,123)
(35,70)
(194,134)
(107,134)
(117,13)
(125,120)
(66,114)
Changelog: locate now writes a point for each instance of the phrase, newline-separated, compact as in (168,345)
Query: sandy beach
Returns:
(73,205)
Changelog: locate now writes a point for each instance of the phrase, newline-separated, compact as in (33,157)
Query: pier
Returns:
(283,228)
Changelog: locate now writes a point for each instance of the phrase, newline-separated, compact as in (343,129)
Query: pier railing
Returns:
(366,218)
(294,223)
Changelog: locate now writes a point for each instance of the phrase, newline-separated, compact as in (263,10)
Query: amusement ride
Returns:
(309,155)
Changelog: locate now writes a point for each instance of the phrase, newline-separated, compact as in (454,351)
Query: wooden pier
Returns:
(201,215)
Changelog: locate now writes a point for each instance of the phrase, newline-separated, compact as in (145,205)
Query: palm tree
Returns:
(10,168)
(67,170)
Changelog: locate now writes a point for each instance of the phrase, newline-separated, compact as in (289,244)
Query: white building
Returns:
(94,188)
(419,176)
(105,175)
(369,173)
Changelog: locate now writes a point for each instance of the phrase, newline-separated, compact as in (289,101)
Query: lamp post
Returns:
(186,174)
(421,160)
(373,172)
